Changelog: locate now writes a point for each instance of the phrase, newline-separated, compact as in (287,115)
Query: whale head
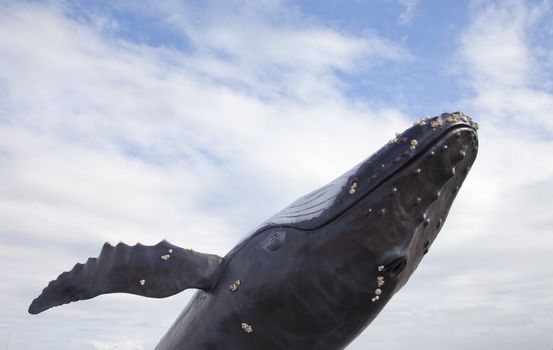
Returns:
(398,199)
(394,203)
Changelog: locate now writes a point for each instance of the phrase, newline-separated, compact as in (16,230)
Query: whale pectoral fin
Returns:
(152,271)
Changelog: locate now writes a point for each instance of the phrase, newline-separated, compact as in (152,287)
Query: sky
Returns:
(194,121)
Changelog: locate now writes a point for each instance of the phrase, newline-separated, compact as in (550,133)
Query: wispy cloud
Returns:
(504,51)
(409,11)
(272,49)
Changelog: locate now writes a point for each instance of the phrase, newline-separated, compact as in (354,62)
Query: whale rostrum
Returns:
(315,274)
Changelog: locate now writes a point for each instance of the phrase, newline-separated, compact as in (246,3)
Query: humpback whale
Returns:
(315,274)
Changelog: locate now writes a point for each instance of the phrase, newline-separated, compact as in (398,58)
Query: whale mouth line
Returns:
(396,266)
(422,153)
(445,132)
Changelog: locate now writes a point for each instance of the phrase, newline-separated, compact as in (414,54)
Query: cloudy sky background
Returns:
(195,121)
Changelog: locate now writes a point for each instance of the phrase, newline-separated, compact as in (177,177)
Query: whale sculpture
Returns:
(314,275)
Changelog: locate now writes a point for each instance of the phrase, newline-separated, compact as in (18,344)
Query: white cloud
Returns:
(270,50)
(495,45)
(504,57)
(124,345)
(409,12)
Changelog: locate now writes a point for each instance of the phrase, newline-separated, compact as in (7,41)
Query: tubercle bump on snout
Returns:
(444,118)
(399,153)
(426,129)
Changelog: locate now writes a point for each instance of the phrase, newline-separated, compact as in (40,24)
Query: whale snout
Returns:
(407,207)
(427,187)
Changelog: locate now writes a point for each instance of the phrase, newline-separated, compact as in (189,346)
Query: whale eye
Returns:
(396,267)
(275,241)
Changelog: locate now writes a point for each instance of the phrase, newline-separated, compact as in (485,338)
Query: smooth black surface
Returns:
(317,273)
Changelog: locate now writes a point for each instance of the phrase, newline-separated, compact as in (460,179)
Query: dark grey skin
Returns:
(314,275)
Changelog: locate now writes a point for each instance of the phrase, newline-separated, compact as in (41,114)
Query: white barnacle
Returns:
(247,328)
(165,257)
(352,188)
(378,291)
(453,118)
(142,282)
(437,123)
(234,286)
(395,139)
(413,144)
(376,297)
(381,268)
(380,281)
(170,250)
(373,300)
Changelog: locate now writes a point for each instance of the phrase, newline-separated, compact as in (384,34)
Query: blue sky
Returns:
(195,121)
(423,29)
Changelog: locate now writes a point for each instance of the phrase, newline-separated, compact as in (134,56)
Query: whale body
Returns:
(315,274)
